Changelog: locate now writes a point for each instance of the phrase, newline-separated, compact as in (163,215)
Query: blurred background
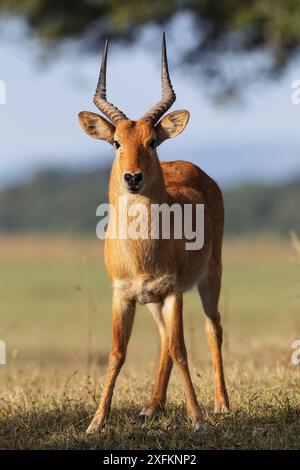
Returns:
(232,65)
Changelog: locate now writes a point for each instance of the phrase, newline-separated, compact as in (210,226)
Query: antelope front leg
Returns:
(123,315)
(159,392)
(172,312)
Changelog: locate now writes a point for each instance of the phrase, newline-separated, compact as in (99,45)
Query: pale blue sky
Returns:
(39,122)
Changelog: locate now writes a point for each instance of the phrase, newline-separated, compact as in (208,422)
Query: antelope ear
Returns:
(171,125)
(96,126)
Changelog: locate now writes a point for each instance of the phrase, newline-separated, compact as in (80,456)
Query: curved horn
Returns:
(107,108)
(168,94)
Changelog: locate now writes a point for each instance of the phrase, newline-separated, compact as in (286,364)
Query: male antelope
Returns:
(158,272)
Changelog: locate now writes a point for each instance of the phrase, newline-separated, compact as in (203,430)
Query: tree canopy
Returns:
(242,28)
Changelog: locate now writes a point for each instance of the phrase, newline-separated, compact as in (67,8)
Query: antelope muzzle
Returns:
(133,181)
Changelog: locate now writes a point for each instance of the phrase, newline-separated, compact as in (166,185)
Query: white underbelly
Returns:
(145,289)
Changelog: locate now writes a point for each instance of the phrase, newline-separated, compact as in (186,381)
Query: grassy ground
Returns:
(55,320)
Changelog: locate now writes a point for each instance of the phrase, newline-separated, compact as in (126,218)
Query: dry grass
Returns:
(55,319)
(39,411)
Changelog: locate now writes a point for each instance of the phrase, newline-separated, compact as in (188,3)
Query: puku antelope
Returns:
(158,272)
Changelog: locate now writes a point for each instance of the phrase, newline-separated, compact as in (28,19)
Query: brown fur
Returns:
(158,272)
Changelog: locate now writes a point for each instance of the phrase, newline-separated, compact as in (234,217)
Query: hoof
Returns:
(201,426)
(150,411)
(222,409)
(146,413)
(95,427)
(142,417)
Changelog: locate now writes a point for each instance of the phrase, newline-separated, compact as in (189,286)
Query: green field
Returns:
(56,322)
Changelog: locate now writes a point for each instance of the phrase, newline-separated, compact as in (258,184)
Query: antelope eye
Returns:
(152,143)
(116,144)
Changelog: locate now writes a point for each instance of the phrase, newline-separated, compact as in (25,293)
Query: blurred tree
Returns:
(223,29)
(64,200)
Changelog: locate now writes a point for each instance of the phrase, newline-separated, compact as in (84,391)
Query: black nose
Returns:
(133,180)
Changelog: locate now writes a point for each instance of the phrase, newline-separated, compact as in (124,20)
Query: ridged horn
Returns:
(168,94)
(107,108)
